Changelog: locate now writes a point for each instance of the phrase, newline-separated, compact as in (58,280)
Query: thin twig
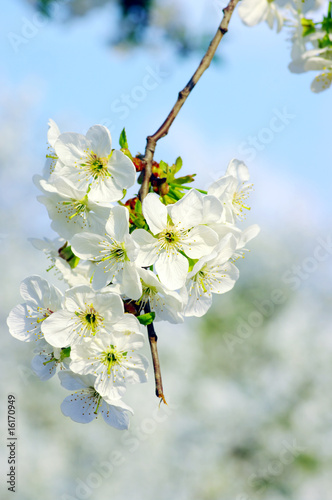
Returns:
(151,140)
(155,357)
(151,143)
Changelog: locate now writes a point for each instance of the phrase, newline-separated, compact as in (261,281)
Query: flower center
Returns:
(77,208)
(112,357)
(205,279)
(90,319)
(96,166)
(149,291)
(115,251)
(239,198)
(200,278)
(45,313)
(170,238)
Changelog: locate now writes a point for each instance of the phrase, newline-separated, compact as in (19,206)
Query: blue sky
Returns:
(68,72)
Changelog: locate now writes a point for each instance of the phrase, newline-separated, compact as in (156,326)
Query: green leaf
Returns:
(139,221)
(308,26)
(324,42)
(146,319)
(184,180)
(123,140)
(327,24)
(138,206)
(164,166)
(178,164)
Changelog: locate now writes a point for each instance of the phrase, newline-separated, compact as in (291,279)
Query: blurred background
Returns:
(248,386)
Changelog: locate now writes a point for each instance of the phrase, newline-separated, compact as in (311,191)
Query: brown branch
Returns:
(151,143)
(155,357)
(151,140)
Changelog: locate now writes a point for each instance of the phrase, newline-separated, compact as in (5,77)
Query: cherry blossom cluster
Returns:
(309,23)
(125,264)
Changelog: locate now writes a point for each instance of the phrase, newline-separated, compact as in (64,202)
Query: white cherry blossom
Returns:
(48,358)
(50,249)
(85,313)
(256,11)
(114,254)
(51,158)
(166,304)
(79,275)
(85,404)
(41,301)
(212,274)
(112,358)
(90,162)
(176,231)
(71,210)
(233,190)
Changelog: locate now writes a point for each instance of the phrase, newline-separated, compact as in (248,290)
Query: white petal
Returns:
(86,246)
(131,282)
(117,224)
(148,247)
(100,140)
(74,382)
(42,368)
(101,277)
(172,269)
(201,241)
(58,328)
(80,407)
(53,132)
(129,325)
(226,278)
(109,305)
(187,212)
(33,289)
(22,326)
(105,190)
(122,170)
(225,249)
(137,369)
(155,213)
(239,170)
(212,209)
(321,82)
(253,11)
(198,304)
(115,416)
(70,148)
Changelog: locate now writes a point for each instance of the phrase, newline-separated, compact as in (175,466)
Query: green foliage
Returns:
(123,140)
(146,319)
(65,353)
(324,42)
(308,27)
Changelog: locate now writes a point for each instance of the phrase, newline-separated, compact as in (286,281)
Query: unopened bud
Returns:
(164,189)
(139,164)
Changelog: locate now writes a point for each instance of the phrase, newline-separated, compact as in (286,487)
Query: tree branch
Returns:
(155,358)
(151,143)
(151,140)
